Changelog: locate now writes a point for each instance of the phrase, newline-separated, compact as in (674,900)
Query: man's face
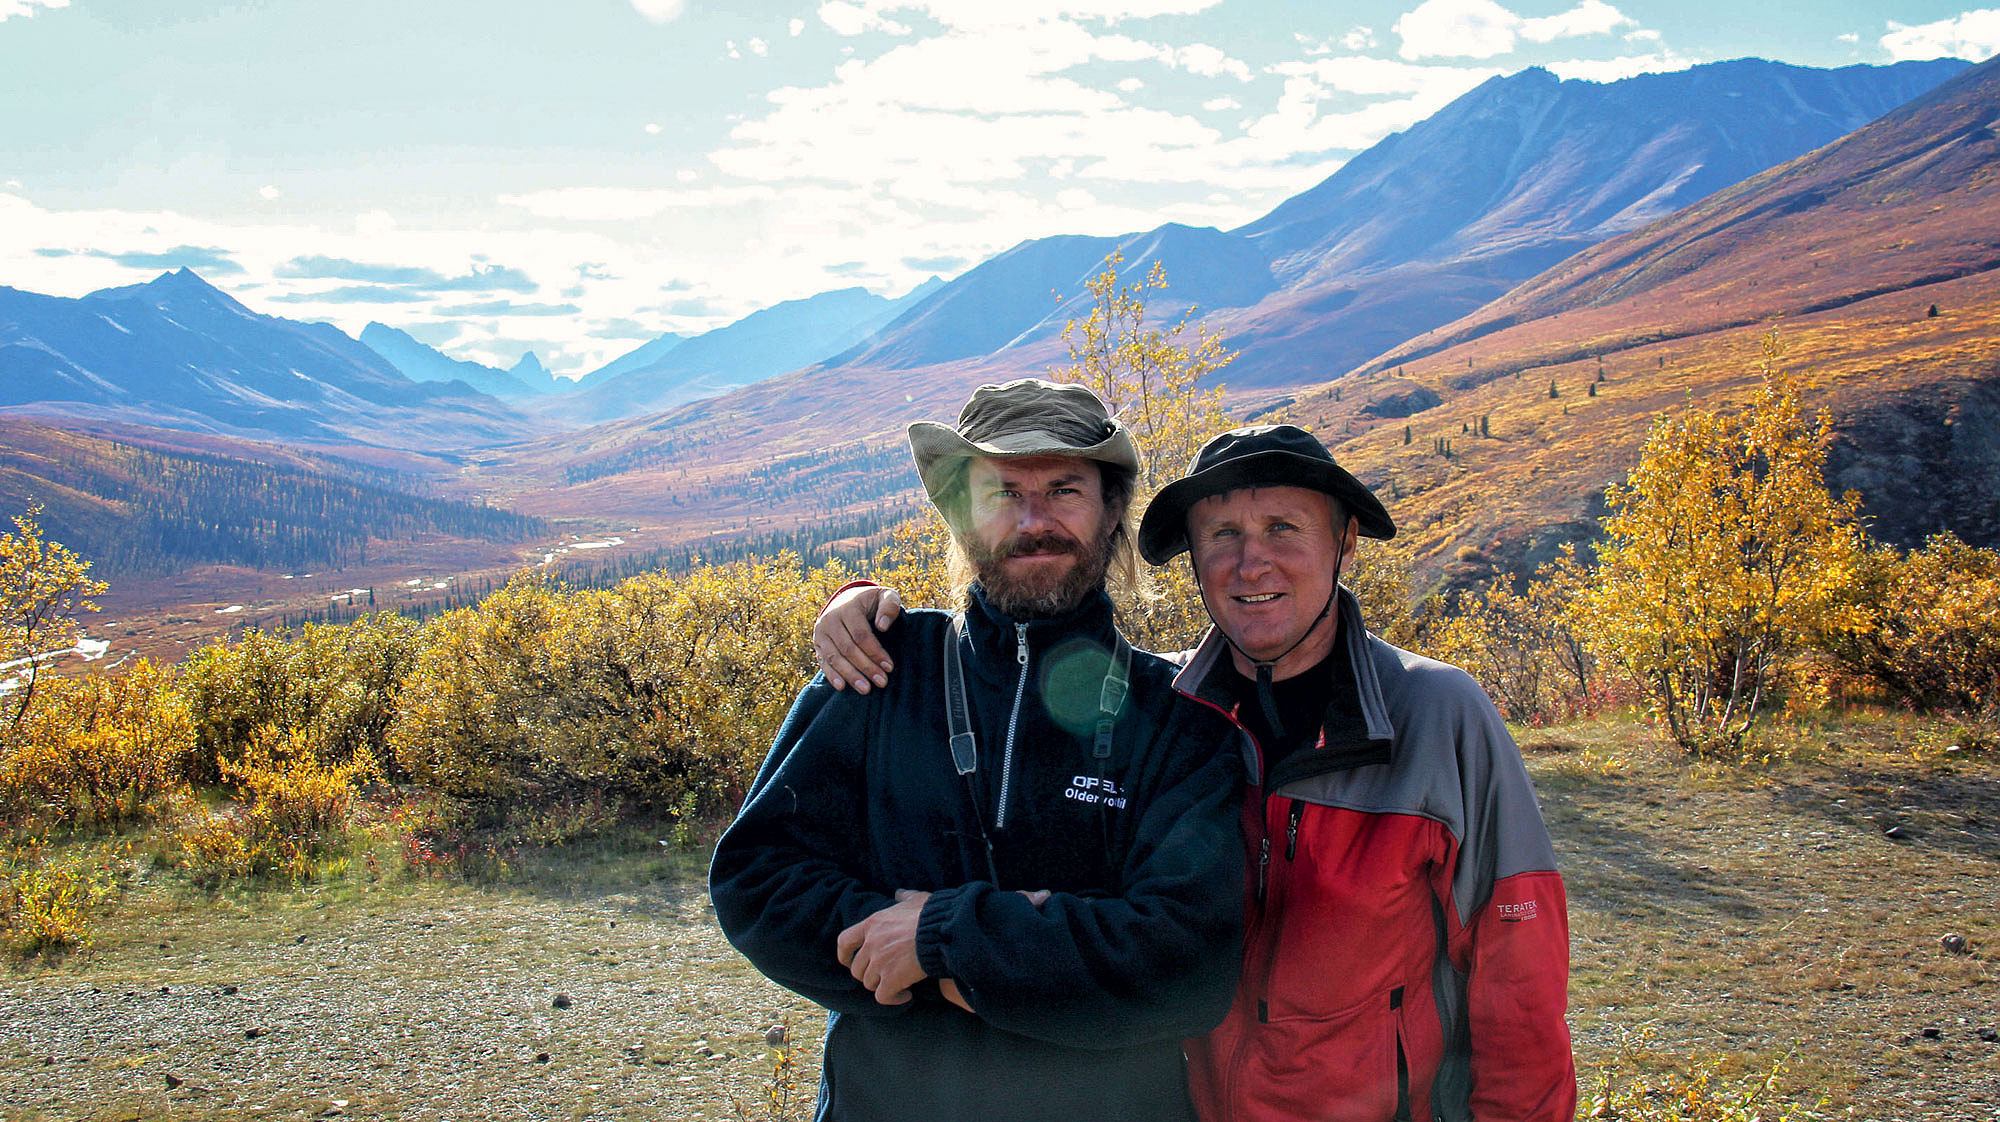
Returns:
(1265,558)
(1040,538)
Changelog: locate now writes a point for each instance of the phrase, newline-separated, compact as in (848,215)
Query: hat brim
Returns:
(936,447)
(1163,530)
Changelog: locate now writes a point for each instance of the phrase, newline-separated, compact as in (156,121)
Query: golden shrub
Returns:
(99,749)
(46,905)
(1933,633)
(296,812)
(645,693)
(215,845)
(336,685)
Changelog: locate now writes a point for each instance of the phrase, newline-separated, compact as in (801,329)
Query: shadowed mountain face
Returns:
(1872,266)
(1026,295)
(1530,162)
(1515,176)
(177,352)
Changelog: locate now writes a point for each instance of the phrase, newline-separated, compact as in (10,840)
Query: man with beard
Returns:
(1013,875)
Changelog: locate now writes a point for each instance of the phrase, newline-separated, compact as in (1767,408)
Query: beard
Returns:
(1040,595)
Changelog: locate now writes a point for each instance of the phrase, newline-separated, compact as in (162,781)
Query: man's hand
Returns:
(881,951)
(949,989)
(844,636)
(949,986)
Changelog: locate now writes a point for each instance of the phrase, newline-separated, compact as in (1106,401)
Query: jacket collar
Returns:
(995,635)
(1345,742)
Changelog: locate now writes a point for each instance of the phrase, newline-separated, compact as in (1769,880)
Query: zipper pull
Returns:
(1021,643)
(1263,865)
(1292,830)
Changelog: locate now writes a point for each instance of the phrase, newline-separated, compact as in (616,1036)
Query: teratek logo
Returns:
(1516,913)
(1090,789)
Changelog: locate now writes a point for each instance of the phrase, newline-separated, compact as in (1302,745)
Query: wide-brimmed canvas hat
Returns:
(1261,456)
(1026,417)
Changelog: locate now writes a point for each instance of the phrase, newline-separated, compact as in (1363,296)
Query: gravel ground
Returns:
(437,1004)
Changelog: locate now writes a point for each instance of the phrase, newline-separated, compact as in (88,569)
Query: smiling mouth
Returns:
(1258,598)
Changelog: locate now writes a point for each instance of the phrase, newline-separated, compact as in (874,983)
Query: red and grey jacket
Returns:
(1406,951)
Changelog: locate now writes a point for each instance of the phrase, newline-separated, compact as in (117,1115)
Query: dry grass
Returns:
(1762,913)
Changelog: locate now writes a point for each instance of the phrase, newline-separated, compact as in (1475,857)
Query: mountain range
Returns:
(178,353)
(1296,324)
(763,344)
(1534,227)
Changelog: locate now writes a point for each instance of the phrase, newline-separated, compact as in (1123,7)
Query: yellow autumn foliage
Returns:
(1724,557)
(98,749)
(42,588)
(660,693)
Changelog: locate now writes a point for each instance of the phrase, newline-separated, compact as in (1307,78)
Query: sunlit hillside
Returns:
(1870,260)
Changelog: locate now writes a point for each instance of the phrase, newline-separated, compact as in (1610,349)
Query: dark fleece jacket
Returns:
(1083,1000)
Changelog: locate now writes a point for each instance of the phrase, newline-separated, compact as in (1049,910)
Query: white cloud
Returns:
(1218,104)
(26,8)
(268,192)
(1205,61)
(652,128)
(625,204)
(851,17)
(796,28)
(1359,39)
(1131,85)
(1592,17)
(847,18)
(660,11)
(1617,69)
(1971,35)
(1381,77)
(1457,29)
(759,47)
(1849,38)
(1484,29)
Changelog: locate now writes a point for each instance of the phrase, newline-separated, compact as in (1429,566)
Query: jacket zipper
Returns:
(1013,722)
(1264,894)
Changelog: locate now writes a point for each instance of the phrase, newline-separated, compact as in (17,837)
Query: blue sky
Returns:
(577,177)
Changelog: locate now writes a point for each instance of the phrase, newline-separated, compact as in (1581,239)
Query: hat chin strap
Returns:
(1266,700)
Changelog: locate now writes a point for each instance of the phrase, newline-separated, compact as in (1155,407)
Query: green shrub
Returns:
(338,686)
(46,904)
(643,694)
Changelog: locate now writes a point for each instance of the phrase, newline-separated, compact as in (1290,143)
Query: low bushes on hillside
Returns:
(660,693)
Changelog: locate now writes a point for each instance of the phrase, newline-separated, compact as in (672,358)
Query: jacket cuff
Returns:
(932,938)
(858,582)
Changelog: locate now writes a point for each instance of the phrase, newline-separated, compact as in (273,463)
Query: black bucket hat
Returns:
(1260,456)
